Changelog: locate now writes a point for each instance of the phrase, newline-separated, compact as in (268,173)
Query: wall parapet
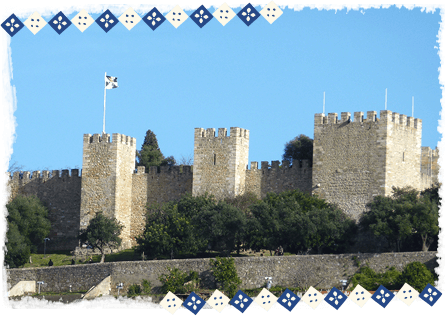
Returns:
(105,138)
(386,117)
(45,174)
(275,165)
(175,170)
(222,132)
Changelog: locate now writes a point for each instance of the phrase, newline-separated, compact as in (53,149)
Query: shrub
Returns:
(146,286)
(370,280)
(176,279)
(225,273)
(133,290)
(417,275)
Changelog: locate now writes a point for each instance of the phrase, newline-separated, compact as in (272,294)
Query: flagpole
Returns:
(105,98)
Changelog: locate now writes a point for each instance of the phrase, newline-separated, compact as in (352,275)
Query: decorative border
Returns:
(153,19)
(201,16)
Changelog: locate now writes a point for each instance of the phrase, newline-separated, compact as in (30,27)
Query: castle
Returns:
(354,160)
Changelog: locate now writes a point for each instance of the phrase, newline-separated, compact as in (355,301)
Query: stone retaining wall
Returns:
(323,271)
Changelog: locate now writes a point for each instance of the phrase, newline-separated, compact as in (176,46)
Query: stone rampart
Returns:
(60,191)
(159,185)
(323,271)
(278,178)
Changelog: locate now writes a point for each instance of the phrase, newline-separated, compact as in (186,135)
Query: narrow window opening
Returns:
(202,134)
(361,119)
(214,159)
(403,157)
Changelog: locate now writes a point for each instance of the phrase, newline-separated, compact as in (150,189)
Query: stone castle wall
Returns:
(357,159)
(61,194)
(278,178)
(354,160)
(322,271)
(220,162)
(349,160)
(170,183)
(108,164)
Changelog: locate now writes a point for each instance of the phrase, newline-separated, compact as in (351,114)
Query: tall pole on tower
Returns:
(105,98)
(324,97)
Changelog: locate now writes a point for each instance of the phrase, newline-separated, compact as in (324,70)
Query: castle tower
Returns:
(220,162)
(355,160)
(108,165)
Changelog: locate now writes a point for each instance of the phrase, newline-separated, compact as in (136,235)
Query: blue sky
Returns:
(267,78)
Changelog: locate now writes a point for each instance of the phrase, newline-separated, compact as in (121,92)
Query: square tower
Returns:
(108,165)
(220,162)
(355,160)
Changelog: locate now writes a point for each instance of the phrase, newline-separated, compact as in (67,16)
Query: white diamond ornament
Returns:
(176,16)
(218,300)
(265,299)
(312,297)
(359,296)
(407,294)
(271,12)
(129,18)
(224,14)
(171,302)
(35,23)
(82,20)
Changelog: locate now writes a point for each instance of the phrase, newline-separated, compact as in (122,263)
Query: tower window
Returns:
(214,159)
(403,157)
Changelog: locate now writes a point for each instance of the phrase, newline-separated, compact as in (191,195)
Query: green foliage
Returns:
(330,227)
(137,289)
(146,286)
(31,218)
(223,225)
(297,222)
(167,232)
(102,232)
(370,280)
(224,271)
(151,155)
(133,290)
(401,216)
(417,275)
(299,148)
(176,279)
(18,251)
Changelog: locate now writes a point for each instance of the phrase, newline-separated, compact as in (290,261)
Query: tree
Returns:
(417,275)
(150,153)
(330,227)
(102,232)
(401,216)
(223,225)
(299,148)
(30,216)
(425,221)
(168,231)
(17,250)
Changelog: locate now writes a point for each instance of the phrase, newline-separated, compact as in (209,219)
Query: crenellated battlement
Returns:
(222,132)
(386,117)
(275,165)
(45,174)
(105,138)
(174,170)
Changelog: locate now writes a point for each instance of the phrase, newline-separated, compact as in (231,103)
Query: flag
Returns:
(110,82)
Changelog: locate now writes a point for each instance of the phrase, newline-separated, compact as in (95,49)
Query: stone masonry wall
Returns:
(349,160)
(278,178)
(170,183)
(220,162)
(322,271)
(403,150)
(61,194)
(108,166)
